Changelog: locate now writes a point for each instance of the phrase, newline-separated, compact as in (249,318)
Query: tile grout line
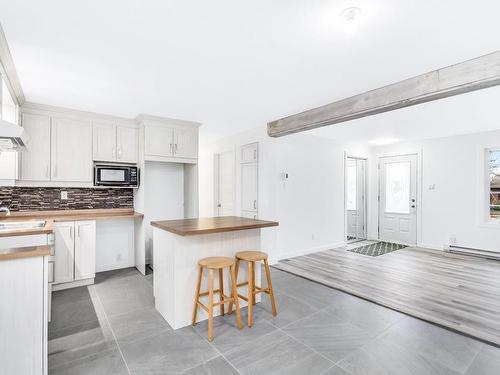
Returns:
(112,331)
(473,359)
(217,350)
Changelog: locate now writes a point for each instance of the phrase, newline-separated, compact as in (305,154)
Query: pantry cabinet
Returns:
(74,251)
(35,162)
(71,150)
(115,143)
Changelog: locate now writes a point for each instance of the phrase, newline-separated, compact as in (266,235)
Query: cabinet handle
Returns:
(119,153)
(71,232)
(113,152)
(170,148)
(55,170)
(47,171)
(176,148)
(255,204)
(254,154)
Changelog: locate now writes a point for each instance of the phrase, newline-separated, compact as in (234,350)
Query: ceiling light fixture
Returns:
(351,16)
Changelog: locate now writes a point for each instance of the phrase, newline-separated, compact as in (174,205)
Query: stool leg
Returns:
(270,287)
(221,290)
(250,294)
(211,306)
(235,297)
(197,294)
(236,267)
(253,283)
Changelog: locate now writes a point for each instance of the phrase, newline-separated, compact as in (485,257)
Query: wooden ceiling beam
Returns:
(470,75)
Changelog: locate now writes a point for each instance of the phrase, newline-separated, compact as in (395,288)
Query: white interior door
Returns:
(398,199)
(224,184)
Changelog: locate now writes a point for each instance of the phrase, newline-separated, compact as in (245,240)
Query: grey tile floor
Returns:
(113,328)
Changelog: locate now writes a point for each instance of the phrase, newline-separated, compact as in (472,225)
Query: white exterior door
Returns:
(398,199)
(84,250)
(224,183)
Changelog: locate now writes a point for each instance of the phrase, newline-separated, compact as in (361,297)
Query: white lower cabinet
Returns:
(74,251)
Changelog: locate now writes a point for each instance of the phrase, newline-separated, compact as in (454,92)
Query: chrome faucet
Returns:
(5,209)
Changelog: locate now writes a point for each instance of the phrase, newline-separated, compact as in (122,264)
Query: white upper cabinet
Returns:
(158,141)
(186,143)
(71,150)
(127,144)
(104,144)
(115,143)
(171,143)
(249,153)
(35,163)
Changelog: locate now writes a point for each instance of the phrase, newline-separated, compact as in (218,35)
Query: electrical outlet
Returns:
(64,195)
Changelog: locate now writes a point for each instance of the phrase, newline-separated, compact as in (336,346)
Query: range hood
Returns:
(12,137)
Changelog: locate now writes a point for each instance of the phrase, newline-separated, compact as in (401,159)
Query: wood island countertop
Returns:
(206,225)
(24,252)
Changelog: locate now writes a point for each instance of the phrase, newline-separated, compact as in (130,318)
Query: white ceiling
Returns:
(236,65)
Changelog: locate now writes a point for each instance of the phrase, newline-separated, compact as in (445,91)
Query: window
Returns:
(494,188)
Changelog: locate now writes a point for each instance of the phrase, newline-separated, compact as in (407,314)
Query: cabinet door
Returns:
(71,150)
(127,141)
(35,163)
(64,252)
(249,153)
(186,143)
(84,250)
(249,187)
(158,141)
(104,144)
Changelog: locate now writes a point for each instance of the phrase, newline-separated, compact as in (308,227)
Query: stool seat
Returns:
(251,256)
(215,263)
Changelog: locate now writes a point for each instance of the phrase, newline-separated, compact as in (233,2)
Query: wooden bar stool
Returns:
(251,257)
(213,264)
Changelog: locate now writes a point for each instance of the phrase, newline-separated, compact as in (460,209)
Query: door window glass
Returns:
(397,187)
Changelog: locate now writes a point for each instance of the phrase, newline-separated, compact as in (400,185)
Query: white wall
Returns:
(114,244)
(456,207)
(309,206)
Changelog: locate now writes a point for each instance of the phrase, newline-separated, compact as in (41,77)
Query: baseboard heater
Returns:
(474,252)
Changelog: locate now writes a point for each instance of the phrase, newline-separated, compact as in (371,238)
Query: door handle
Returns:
(412,206)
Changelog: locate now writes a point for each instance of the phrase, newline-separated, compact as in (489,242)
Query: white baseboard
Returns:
(111,267)
(431,246)
(72,284)
(292,254)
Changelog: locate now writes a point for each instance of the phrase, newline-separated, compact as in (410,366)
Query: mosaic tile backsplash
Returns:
(41,198)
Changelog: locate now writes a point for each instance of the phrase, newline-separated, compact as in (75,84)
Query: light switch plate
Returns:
(64,195)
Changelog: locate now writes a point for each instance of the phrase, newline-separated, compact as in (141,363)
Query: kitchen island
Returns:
(178,245)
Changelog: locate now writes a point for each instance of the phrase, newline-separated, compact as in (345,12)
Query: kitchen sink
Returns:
(13,225)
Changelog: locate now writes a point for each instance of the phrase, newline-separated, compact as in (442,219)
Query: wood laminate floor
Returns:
(456,291)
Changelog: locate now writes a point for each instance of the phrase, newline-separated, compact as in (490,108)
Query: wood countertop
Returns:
(25,252)
(74,215)
(206,225)
(62,215)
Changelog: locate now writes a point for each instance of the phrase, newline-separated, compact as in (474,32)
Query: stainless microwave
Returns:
(116,175)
